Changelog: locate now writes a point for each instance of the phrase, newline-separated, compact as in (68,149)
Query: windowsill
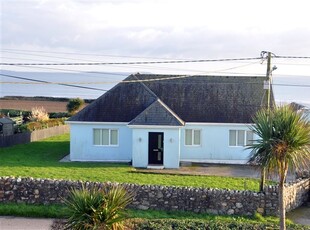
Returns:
(192,146)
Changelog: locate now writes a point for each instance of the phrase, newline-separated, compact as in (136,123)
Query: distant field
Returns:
(49,106)
(27,105)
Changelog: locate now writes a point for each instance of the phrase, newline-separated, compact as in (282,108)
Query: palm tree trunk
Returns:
(262,179)
(282,203)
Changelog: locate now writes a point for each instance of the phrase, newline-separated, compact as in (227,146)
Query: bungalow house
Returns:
(161,120)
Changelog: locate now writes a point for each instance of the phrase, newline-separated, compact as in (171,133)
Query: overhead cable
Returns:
(134,63)
(47,82)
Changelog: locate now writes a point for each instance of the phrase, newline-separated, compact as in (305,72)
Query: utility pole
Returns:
(268,79)
(267,86)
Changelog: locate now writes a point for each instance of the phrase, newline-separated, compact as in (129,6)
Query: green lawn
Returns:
(41,160)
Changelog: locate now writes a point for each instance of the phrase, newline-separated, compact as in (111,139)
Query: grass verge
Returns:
(157,219)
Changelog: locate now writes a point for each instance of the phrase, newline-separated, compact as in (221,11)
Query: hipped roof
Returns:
(215,99)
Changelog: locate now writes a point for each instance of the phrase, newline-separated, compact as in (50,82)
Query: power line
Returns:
(152,67)
(292,57)
(80,72)
(147,80)
(46,82)
(92,54)
(133,63)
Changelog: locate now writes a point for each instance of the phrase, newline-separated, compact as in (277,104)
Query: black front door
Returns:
(156,148)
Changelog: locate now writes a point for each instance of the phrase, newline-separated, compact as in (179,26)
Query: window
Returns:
(192,137)
(240,137)
(105,137)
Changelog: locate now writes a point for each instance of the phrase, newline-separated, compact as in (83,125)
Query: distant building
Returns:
(6,126)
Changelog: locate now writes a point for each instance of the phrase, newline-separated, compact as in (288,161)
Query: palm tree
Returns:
(282,145)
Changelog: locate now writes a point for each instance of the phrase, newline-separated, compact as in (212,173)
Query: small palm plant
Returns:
(283,144)
(97,208)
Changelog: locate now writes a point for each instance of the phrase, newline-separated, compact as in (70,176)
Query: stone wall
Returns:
(216,201)
(297,193)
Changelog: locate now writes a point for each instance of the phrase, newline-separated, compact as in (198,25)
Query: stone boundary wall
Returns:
(297,193)
(199,200)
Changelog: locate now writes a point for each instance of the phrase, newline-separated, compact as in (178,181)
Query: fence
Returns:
(23,138)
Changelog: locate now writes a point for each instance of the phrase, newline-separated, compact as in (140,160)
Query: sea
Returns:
(91,85)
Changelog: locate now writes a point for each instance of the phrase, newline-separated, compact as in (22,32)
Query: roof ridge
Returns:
(147,88)
(170,111)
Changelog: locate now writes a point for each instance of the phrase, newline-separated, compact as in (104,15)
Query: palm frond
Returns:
(283,136)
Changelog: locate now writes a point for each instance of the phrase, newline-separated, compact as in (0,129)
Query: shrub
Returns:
(175,224)
(36,125)
(97,208)
(58,115)
(11,112)
(38,114)
(74,105)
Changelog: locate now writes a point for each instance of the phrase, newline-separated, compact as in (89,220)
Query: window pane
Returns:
(105,137)
(188,136)
(232,138)
(241,135)
(96,135)
(249,137)
(196,137)
(159,144)
(114,137)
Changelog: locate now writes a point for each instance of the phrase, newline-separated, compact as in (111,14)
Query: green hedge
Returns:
(14,112)
(18,113)
(36,125)
(174,224)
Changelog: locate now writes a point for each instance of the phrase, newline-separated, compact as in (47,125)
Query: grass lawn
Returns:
(41,160)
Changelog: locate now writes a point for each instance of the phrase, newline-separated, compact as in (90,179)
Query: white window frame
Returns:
(246,132)
(110,139)
(193,136)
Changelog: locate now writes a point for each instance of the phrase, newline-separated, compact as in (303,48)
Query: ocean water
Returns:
(284,89)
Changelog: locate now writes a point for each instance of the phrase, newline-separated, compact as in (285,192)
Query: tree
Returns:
(74,105)
(282,145)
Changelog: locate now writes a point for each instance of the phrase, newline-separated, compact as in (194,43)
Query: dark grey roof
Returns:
(218,99)
(157,114)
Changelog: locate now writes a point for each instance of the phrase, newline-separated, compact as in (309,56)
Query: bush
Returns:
(36,125)
(12,112)
(38,114)
(74,105)
(97,208)
(58,115)
(175,224)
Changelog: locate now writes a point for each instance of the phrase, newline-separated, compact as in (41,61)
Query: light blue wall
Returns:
(171,146)
(82,148)
(133,144)
(214,146)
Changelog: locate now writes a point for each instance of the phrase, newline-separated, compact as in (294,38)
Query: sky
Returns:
(137,30)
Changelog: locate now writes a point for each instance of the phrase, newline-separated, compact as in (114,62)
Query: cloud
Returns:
(176,29)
